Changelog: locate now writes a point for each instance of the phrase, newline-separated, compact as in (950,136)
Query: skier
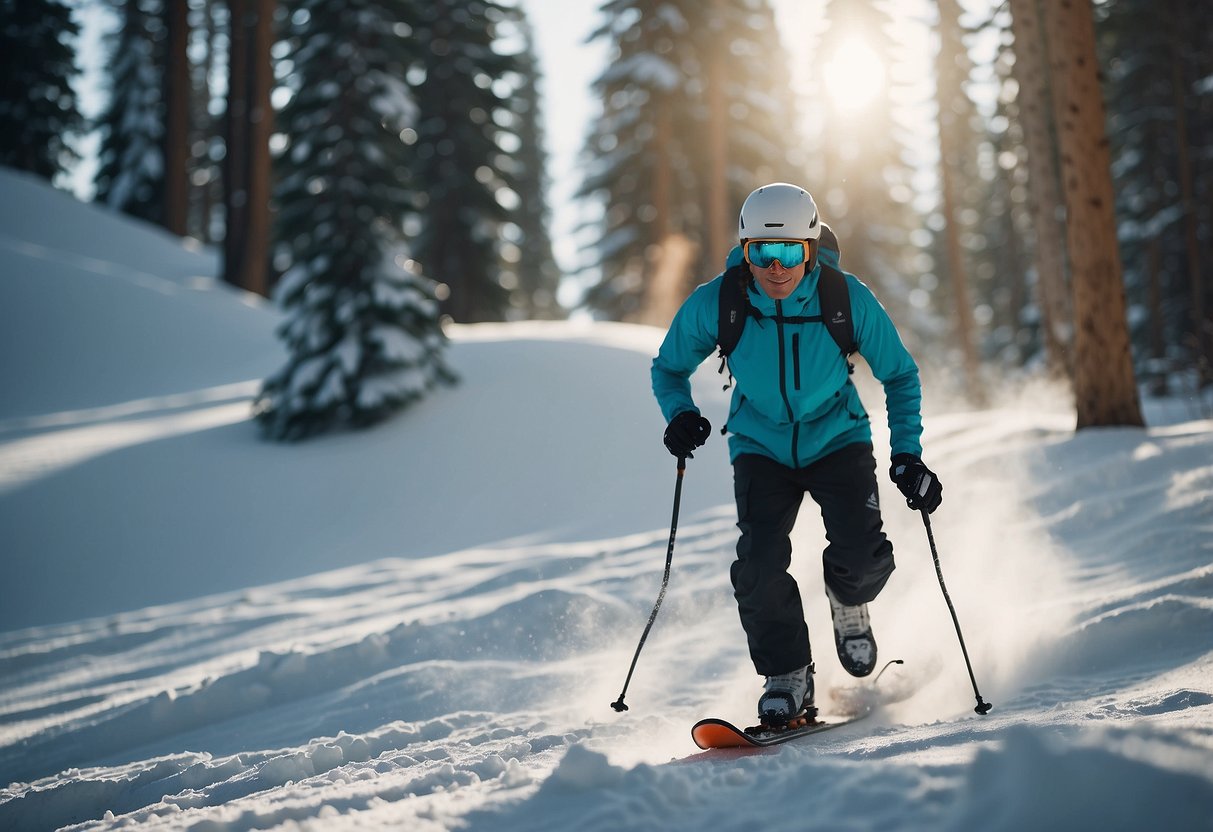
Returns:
(797,426)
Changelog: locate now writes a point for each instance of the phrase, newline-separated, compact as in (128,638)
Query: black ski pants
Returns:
(857,560)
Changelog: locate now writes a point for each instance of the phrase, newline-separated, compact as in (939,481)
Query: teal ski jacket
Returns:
(793,399)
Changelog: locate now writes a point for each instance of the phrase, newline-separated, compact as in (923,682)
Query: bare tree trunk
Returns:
(1200,323)
(720,236)
(176,132)
(669,264)
(1044,195)
(261,122)
(235,184)
(1158,341)
(1104,384)
(249,121)
(662,175)
(948,86)
(663,258)
(207,196)
(960,281)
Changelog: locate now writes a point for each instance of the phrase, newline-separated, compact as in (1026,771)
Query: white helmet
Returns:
(779,211)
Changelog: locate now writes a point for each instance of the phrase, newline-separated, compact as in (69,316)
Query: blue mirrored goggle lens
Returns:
(762,253)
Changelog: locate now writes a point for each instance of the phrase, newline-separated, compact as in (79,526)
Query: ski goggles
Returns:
(789,253)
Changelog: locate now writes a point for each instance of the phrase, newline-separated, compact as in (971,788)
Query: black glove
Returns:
(686,432)
(917,482)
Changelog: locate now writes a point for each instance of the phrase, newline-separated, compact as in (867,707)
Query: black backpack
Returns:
(735,308)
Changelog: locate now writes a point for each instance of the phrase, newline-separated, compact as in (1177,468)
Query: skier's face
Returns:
(777,281)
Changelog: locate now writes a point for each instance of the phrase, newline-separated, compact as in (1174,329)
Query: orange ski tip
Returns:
(714,735)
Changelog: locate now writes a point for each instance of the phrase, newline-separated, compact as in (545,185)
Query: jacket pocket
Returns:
(852,403)
(740,401)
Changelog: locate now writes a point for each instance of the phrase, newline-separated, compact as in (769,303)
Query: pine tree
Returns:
(206,129)
(130,175)
(641,167)
(1104,382)
(363,327)
(959,181)
(177,94)
(1155,126)
(761,114)
(866,187)
(38,108)
(462,172)
(694,117)
(248,123)
(1033,107)
(537,274)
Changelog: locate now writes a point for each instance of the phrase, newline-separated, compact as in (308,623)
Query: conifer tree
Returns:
(866,184)
(538,275)
(463,175)
(1104,381)
(694,116)
(641,167)
(362,322)
(130,175)
(38,108)
(1155,127)
(1034,111)
(959,184)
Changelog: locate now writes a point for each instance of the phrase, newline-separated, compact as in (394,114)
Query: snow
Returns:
(422,626)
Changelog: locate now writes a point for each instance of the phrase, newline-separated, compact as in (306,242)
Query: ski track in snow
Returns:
(310,682)
(472,688)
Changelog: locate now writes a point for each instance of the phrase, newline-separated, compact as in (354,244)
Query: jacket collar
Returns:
(795,304)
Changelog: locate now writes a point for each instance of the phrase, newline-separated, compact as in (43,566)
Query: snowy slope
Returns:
(422,627)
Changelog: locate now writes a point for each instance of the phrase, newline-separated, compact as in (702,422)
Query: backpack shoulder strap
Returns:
(836,308)
(734,308)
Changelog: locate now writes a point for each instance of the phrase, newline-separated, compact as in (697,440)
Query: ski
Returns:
(717,733)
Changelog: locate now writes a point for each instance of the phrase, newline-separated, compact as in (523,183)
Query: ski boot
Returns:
(853,636)
(787,700)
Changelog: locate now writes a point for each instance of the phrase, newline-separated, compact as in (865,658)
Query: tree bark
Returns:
(1044,194)
(948,86)
(721,236)
(247,168)
(260,125)
(1202,331)
(176,128)
(1104,383)
(235,184)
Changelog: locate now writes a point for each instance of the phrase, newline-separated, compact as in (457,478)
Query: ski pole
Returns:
(982,708)
(665,582)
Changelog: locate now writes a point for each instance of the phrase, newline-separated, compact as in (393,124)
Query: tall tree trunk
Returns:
(1158,340)
(1201,328)
(206,197)
(260,125)
(956,270)
(1044,194)
(249,119)
(720,237)
(176,128)
(659,259)
(1104,384)
(948,86)
(235,168)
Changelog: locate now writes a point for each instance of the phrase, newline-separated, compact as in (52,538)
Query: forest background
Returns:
(1023,203)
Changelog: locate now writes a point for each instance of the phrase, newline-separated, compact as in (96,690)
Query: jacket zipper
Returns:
(796,359)
(783,382)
